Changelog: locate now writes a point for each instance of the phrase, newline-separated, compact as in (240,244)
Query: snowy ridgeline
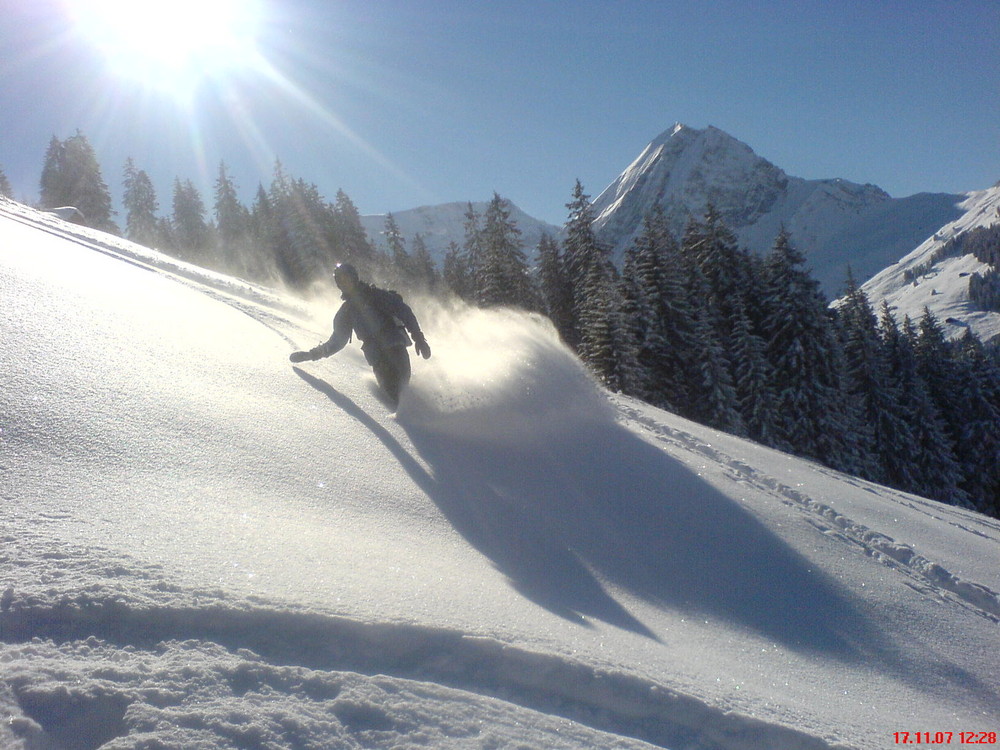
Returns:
(835,222)
(205,547)
(931,277)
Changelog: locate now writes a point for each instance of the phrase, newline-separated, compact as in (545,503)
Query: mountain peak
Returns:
(684,169)
(679,130)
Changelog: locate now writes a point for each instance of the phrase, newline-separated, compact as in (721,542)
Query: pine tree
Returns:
(396,246)
(191,234)
(557,298)
(584,260)
(304,230)
(54,188)
(662,319)
(422,265)
(932,469)
(280,215)
(456,272)
(970,420)
(71,176)
(141,206)
(637,320)
(980,436)
(232,220)
(232,224)
(5,189)
(802,349)
(752,379)
(599,334)
(261,262)
(711,246)
(354,245)
(887,435)
(503,277)
(603,345)
(712,396)
(580,246)
(472,249)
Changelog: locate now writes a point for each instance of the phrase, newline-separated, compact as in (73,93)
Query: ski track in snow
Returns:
(246,652)
(925,576)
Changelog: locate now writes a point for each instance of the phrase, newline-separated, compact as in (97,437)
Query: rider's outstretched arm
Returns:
(343,326)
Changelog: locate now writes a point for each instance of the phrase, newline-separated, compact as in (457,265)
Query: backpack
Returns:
(388,329)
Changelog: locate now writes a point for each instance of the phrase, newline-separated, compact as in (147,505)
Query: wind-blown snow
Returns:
(206,547)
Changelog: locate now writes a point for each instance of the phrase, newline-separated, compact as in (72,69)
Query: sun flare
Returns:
(170,43)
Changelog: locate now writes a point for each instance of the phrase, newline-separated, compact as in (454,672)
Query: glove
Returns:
(299,356)
(420,344)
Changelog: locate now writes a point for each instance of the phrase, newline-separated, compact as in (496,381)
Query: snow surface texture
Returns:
(923,279)
(205,547)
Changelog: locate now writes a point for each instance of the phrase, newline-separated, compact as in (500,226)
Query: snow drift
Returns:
(205,547)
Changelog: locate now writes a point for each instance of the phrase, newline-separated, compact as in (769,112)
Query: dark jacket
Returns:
(378,317)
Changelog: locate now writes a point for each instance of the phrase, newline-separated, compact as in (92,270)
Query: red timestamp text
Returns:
(945,738)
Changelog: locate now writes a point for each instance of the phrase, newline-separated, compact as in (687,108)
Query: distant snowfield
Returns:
(206,547)
(942,285)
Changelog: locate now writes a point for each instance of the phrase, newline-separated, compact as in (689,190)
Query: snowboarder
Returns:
(380,319)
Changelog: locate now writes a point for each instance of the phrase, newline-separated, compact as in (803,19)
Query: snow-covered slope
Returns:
(924,278)
(205,547)
(442,224)
(836,222)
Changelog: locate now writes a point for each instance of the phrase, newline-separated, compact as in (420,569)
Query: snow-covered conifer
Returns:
(191,234)
(884,432)
(557,297)
(503,277)
(603,340)
(711,246)
(752,378)
(353,244)
(979,373)
(455,271)
(422,268)
(231,217)
(71,176)
(663,322)
(932,469)
(712,398)
(802,350)
(581,253)
(141,206)
(395,245)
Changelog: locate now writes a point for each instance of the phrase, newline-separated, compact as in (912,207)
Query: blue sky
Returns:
(403,104)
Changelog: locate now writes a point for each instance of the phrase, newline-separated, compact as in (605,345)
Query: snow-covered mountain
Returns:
(835,222)
(205,547)
(930,277)
(440,225)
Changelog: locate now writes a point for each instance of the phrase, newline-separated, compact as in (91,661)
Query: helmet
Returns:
(345,269)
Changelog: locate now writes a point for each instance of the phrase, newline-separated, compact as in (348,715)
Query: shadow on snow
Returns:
(564,516)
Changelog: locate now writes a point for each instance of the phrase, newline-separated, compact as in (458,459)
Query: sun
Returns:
(171,44)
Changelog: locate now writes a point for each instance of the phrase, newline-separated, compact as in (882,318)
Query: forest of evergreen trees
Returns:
(696,325)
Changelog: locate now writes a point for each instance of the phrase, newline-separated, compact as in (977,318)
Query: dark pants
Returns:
(391,367)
